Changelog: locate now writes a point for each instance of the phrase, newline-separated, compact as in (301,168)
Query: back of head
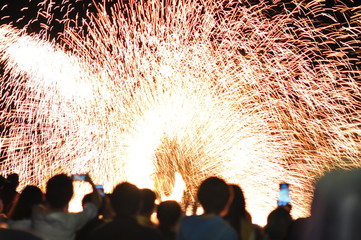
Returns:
(8,192)
(336,207)
(10,185)
(148,198)
(12,180)
(59,191)
(213,195)
(30,196)
(237,209)
(278,223)
(126,199)
(168,213)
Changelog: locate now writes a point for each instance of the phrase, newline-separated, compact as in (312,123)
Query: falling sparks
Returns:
(166,93)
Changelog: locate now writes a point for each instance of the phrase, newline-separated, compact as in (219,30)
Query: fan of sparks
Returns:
(162,92)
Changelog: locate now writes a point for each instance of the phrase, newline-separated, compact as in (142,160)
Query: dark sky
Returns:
(28,13)
(31,14)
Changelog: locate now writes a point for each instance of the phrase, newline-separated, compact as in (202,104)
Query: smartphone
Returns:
(78,177)
(284,195)
(100,189)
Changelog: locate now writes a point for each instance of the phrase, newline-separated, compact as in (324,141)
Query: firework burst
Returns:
(160,88)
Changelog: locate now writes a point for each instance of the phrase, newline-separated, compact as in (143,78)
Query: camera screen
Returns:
(100,190)
(78,177)
(284,195)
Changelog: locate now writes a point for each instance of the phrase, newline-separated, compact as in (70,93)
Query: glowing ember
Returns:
(167,96)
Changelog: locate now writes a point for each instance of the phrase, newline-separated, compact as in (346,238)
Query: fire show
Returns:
(164,93)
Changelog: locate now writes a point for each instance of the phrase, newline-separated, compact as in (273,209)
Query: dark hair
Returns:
(147,200)
(30,196)
(12,180)
(237,209)
(2,181)
(213,195)
(59,191)
(336,206)
(125,199)
(168,213)
(8,193)
(278,223)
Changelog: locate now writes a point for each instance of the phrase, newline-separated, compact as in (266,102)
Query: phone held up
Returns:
(78,177)
(284,198)
(100,189)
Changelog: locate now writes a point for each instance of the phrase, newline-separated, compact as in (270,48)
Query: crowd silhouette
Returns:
(127,212)
(132,213)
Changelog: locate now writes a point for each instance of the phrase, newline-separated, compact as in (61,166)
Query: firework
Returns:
(160,89)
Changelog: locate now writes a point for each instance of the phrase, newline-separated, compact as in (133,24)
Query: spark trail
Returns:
(163,87)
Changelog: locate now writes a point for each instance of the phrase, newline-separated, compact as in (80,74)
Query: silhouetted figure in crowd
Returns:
(2,183)
(240,219)
(87,230)
(52,220)
(20,217)
(3,216)
(278,224)
(237,210)
(147,208)
(298,228)
(9,195)
(126,202)
(168,214)
(336,207)
(215,196)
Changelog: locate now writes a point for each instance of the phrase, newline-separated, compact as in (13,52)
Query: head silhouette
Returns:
(148,198)
(168,213)
(13,180)
(30,196)
(126,199)
(336,207)
(213,194)
(278,223)
(59,191)
(237,209)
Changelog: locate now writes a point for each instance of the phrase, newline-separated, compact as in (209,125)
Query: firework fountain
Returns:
(161,90)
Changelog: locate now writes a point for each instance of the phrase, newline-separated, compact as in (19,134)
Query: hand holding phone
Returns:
(100,190)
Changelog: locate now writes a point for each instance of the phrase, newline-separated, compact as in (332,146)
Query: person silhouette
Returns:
(336,207)
(125,200)
(215,197)
(168,214)
(52,220)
